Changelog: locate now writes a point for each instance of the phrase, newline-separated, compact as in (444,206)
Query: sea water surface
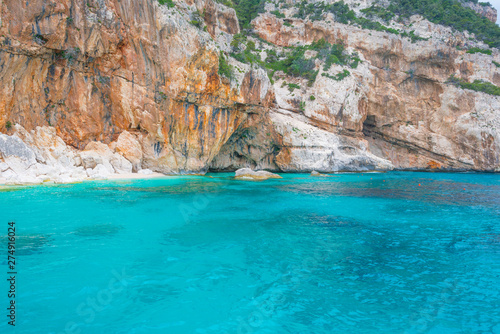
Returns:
(352,253)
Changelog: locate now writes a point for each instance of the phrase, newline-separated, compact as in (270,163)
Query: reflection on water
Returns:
(98,230)
(435,191)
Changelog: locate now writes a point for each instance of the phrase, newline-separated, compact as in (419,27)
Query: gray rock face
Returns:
(307,148)
(12,146)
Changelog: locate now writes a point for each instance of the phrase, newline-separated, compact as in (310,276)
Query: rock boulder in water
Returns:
(248,174)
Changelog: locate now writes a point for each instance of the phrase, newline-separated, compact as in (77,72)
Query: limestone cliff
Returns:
(95,68)
(397,104)
(172,79)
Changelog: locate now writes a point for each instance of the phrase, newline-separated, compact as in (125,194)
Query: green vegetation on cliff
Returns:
(343,14)
(479,50)
(376,11)
(294,62)
(169,3)
(225,69)
(477,85)
(445,12)
(247,10)
(450,13)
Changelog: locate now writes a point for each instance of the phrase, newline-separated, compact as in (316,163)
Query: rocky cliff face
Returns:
(93,70)
(396,105)
(398,99)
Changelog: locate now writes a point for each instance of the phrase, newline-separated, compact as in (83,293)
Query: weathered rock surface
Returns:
(248,174)
(130,148)
(307,148)
(396,104)
(12,146)
(96,68)
(42,156)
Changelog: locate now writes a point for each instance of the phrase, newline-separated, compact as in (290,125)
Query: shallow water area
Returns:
(397,252)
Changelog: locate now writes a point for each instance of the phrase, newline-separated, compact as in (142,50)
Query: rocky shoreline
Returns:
(94,93)
(41,156)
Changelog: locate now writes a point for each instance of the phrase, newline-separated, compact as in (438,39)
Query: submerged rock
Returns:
(30,243)
(315,173)
(248,174)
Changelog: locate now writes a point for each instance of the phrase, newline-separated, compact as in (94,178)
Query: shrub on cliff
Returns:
(169,3)
(247,10)
(315,11)
(294,62)
(479,50)
(477,85)
(278,14)
(376,11)
(481,86)
(225,69)
(337,77)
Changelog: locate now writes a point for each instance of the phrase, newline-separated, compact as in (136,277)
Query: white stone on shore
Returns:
(96,153)
(99,172)
(3,167)
(145,172)
(42,156)
(13,146)
(120,164)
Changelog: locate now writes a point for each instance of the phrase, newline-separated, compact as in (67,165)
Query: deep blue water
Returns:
(353,253)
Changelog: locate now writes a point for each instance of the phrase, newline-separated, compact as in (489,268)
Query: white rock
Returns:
(44,178)
(313,149)
(9,174)
(248,174)
(145,172)
(97,153)
(90,159)
(12,146)
(28,179)
(3,166)
(64,178)
(130,148)
(18,164)
(120,164)
(99,172)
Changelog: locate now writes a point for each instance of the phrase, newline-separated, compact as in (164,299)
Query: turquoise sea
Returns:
(352,253)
